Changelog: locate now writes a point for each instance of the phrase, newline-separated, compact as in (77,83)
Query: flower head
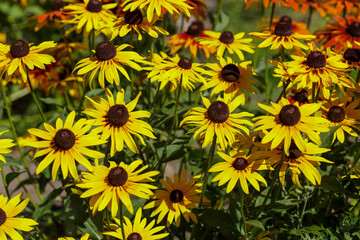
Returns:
(5,144)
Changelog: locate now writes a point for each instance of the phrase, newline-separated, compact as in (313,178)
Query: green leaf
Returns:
(51,101)
(280,205)
(45,205)
(89,227)
(223,22)
(218,219)
(11,176)
(331,183)
(256,223)
(327,137)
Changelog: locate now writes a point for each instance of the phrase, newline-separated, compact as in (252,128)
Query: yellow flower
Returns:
(5,144)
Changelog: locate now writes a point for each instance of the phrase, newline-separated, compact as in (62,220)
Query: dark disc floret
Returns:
(118,115)
(301,96)
(64,139)
(289,115)
(117,176)
(352,55)
(227,37)
(134,18)
(195,28)
(240,163)
(283,29)
(94,6)
(316,60)
(185,63)
(218,112)
(2,217)
(294,151)
(58,4)
(336,114)
(230,73)
(19,48)
(285,19)
(354,29)
(134,236)
(176,196)
(105,51)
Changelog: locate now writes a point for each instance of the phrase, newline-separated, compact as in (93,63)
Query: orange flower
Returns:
(348,5)
(298,27)
(321,6)
(285,3)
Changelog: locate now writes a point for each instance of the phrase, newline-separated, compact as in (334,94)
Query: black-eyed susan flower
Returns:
(298,27)
(300,96)
(239,167)
(137,230)
(9,223)
(20,55)
(83,237)
(176,71)
(109,61)
(229,77)
(351,57)
(343,115)
(116,120)
(65,144)
(218,119)
(158,7)
(5,144)
(177,198)
(135,21)
(90,15)
(108,185)
(288,121)
(227,41)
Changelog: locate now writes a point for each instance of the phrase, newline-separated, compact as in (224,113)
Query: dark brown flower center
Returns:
(94,6)
(117,176)
(336,114)
(230,73)
(58,4)
(294,151)
(118,115)
(134,236)
(354,29)
(352,55)
(227,37)
(105,51)
(289,115)
(134,18)
(285,19)
(301,96)
(185,63)
(316,60)
(176,196)
(19,48)
(283,29)
(218,112)
(2,217)
(240,163)
(64,139)
(195,28)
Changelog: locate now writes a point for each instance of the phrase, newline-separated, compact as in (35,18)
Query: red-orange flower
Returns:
(348,5)
(266,3)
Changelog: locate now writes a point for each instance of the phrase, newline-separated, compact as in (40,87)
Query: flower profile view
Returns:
(65,144)
(116,120)
(9,223)
(108,185)
(5,144)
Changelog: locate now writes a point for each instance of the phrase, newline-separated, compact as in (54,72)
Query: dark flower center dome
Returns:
(134,18)
(240,163)
(118,115)
(19,48)
(64,139)
(185,63)
(352,54)
(105,51)
(294,151)
(285,19)
(58,4)
(354,29)
(117,177)
(227,37)
(195,28)
(94,6)
(316,60)
(283,29)
(230,73)
(301,96)
(2,217)
(289,115)
(176,196)
(336,114)
(218,112)
(134,236)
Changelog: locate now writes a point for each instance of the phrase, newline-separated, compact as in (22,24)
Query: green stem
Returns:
(173,127)
(108,145)
(357,157)
(303,209)
(122,219)
(242,209)
(313,92)
(358,77)
(67,49)
(267,87)
(220,5)
(308,21)
(35,98)
(131,69)
(164,37)
(272,16)
(4,181)
(84,94)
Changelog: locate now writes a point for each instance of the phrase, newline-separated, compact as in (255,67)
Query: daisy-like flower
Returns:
(322,68)
(282,36)
(176,70)
(230,77)
(239,167)
(351,57)
(65,144)
(20,56)
(177,198)
(199,10)
(83,237)
(323,7)
(266,3)
(218,118)
(298,27)
(117,120)
(156,8)
(108,185)
(300,96)
(348,5)
(89,15)
(189,40)
(227,41)
(5,144)
(343,115)
(288,122)
(8,220)
(298,161)
(137,22)
(109,60)
(138,230)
